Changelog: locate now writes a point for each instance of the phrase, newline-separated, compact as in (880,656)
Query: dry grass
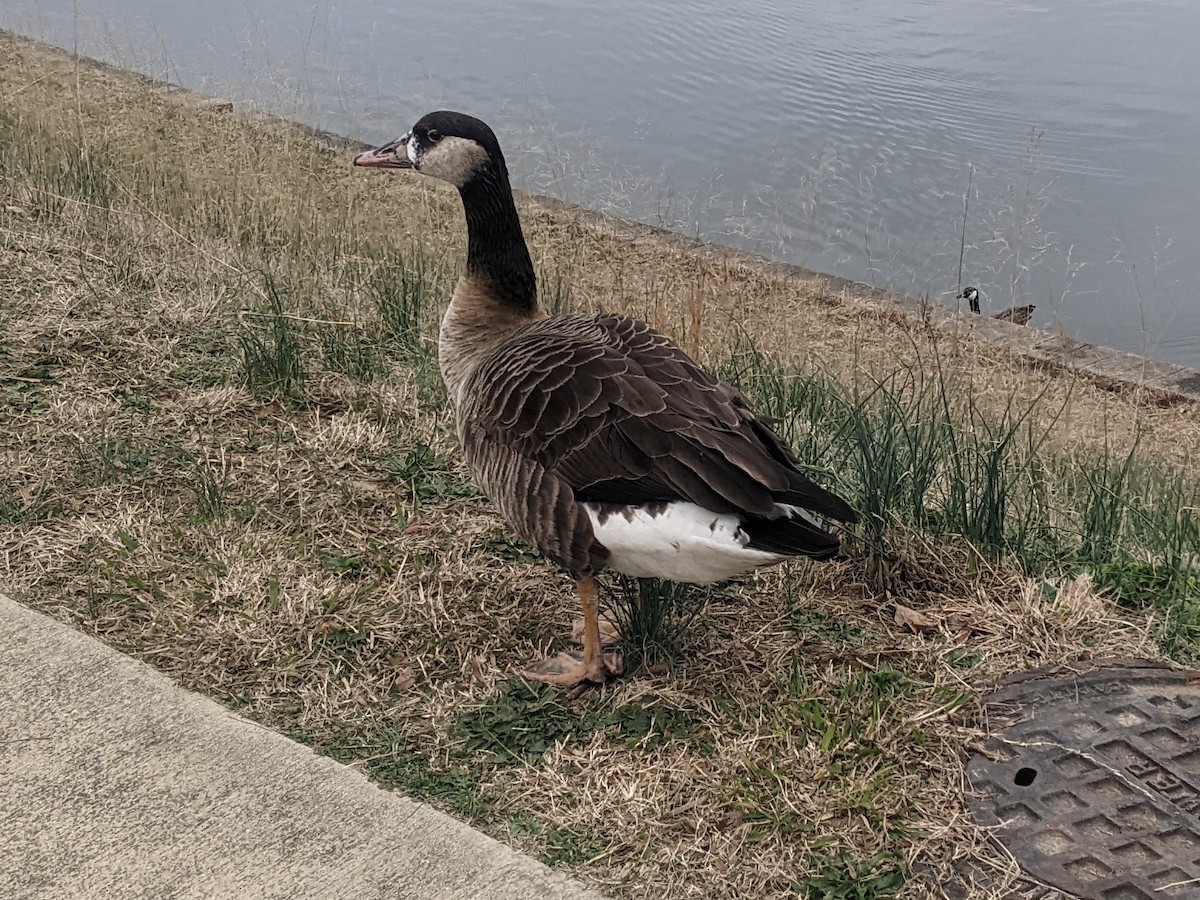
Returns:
(290,530)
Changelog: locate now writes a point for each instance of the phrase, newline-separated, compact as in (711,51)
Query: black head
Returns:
(448,145)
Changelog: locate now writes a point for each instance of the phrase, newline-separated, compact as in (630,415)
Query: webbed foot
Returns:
(569,669)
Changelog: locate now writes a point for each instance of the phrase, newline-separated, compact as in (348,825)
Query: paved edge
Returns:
(1110,369)
(116,782)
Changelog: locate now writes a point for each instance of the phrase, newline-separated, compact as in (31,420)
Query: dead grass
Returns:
(225,449)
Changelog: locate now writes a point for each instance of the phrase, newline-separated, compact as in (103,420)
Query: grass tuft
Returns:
(655,618)
(405,290)
(272,350)
(347,349)
(842,877)
(424,476)
(210,485)
(654,723)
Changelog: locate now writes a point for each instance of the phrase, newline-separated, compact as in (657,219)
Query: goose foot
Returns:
(569,669)
(594,665)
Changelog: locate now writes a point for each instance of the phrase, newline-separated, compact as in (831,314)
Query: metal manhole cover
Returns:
(1091,778)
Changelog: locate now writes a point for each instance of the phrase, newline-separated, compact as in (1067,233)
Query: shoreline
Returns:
(1110,369)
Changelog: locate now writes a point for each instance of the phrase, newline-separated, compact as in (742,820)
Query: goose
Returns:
(598,439)
(1018,315)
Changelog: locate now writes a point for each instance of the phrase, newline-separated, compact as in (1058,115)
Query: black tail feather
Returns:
(811,496)
(791,536)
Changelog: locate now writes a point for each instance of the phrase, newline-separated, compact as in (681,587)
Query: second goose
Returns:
(1018,315)
(599,440)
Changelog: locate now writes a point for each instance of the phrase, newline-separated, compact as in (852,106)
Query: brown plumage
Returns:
(582,427)
(1018,315)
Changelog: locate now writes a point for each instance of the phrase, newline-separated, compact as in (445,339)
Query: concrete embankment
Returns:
(117,783)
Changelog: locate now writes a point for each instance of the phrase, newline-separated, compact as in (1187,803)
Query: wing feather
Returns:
(614,411)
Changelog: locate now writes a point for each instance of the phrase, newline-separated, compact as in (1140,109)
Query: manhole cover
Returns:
(1091,778)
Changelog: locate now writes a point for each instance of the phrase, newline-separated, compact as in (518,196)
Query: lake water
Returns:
(841,135)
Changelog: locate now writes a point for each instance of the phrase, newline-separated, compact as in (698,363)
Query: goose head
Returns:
(971,295)
(448,145)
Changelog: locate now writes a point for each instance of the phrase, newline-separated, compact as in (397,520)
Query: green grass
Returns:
(109,455)
(842,877)
(425,477)
(820,625)
(553,845)
(395,762)
(210,486)
(928,465)
(349,350)
(655,618)
(28,505)
(570,847)
(406,292)
(404,295)
(651,724)
(272,349)
(522,720)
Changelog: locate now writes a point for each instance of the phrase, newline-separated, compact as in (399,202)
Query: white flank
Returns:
(684,542)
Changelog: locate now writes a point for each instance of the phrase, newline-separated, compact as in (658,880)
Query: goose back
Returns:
(1018,315)
(575,410)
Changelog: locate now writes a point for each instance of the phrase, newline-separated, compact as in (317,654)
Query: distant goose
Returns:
(1018,315)
(598,439)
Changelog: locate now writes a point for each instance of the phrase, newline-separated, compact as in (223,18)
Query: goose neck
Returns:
(496,252)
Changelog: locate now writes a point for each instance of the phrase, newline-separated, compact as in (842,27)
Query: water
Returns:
(838,134)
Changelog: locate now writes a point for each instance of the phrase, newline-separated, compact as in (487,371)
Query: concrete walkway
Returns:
(117,783)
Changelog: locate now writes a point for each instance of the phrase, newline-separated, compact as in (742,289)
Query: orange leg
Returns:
(593,654)
(567,669)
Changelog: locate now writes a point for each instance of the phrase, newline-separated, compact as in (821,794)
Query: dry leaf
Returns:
(405,678)
(910,618)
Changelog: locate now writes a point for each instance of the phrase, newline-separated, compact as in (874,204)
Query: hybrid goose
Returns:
(1018,315)
(598,439)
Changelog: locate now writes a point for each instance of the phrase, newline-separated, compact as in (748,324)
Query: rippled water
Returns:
(839,134)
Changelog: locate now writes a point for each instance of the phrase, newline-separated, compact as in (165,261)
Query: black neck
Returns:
(496,251)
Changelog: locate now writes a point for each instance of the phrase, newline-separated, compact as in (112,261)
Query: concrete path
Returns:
(117,783)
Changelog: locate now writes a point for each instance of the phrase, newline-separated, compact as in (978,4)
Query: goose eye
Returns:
(434,135)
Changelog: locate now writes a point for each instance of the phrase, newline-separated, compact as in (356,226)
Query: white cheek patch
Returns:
(411,147)
(453,159)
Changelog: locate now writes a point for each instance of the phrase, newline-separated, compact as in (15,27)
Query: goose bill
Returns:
(392,155)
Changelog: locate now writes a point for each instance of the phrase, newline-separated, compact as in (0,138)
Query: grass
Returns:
(226,448)
(272,362)
(923,460)
(522,721)
(655,619)
(845,878)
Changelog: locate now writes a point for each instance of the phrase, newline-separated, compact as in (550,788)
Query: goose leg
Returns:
(567,669)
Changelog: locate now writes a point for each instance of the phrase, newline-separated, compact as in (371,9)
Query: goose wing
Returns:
(618,413)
